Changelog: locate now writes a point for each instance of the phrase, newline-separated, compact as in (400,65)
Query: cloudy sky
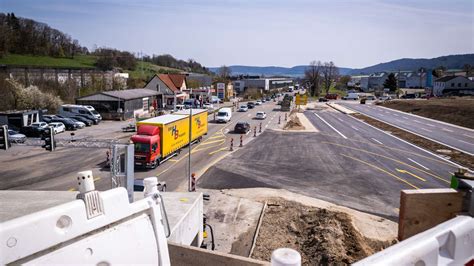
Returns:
(264,32)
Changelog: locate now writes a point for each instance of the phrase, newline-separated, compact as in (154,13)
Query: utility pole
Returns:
(190,181)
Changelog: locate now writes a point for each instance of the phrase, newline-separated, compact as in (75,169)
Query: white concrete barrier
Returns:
(450,243)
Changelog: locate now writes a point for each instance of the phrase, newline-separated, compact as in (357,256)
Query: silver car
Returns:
(16,137)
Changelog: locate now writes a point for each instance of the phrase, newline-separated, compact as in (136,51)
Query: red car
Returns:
(332,96)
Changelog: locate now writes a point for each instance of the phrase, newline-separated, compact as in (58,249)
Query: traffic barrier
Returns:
(231,144)
(286,117)
(255,131)
(241,141)
(193,182)
(279,119)
(260,128)
(449,243)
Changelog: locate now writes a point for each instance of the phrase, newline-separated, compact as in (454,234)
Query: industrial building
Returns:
(122,104)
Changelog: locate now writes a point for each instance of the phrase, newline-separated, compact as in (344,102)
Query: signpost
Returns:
(220,90)
(301,99)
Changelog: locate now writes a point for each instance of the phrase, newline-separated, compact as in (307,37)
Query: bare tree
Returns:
(330,73)
(313,77)
(224,72)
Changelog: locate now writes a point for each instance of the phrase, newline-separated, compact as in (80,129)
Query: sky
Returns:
(351,33)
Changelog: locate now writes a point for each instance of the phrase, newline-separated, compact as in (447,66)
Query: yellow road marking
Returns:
(172,160)
(71,189)
(397,210)
(217,137)
(216,151)
(210,142)
(382,170)
(406,172)
(395,160)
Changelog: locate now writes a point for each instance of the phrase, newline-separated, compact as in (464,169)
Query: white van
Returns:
(68,110)
(224,115)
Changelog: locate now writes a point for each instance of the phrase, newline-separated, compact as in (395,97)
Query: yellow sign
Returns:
(301,99)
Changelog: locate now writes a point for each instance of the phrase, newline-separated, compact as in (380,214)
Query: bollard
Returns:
(260,128)
(214,116)
(231,144)
(193,182)
(255,131)
(286,118)
(285,257)
(279,119)
(241,141)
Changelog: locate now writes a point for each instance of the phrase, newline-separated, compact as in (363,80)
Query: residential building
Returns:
(171,89)
(457,85)
(411,79)
(122,104)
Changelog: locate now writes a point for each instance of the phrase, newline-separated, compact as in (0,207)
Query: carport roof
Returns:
(123,94)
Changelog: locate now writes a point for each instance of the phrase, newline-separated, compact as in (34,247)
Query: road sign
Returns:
(301,99)
(220,90)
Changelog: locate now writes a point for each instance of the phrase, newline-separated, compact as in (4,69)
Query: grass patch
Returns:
(81,61)
(145,70)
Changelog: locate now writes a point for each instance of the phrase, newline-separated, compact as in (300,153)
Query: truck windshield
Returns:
(221,114)
(142,147)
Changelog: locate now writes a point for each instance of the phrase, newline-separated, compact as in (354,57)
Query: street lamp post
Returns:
(189,146)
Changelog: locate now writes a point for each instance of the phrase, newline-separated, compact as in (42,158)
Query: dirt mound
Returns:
(455,110)
(321,236)
(293,123)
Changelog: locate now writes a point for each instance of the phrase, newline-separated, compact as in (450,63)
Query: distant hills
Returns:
(405,64)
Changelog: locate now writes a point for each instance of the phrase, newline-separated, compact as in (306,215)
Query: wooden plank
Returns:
(423,209)
(187,255)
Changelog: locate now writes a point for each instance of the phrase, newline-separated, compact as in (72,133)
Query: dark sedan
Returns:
(242,127)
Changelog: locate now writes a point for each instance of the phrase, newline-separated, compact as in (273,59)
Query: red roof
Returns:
(168,82)
(177,79)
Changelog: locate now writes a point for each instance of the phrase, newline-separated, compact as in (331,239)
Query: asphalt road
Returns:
(453,136)
(347,163)
(32,168)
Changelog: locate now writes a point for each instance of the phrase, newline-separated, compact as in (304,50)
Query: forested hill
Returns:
(27,42)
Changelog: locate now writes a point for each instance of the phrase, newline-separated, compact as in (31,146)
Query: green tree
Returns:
(391,82)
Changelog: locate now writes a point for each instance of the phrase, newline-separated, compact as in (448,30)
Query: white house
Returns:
(453,84)
(171,89)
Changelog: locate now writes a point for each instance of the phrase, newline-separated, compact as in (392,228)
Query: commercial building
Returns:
(456,85)
(171,89)
(199,86)
(123,104)
(265,84)
(360,82)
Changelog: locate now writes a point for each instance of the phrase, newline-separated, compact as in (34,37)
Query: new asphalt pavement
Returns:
(347,162)
(453,136)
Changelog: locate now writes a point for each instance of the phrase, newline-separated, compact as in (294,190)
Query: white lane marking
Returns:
(381,114)
(431,125)
(395,115)
(379,142)
(266,125)
(355,128)
(404,117)
(448,130)
(422,128)
(465,142)
(416,121)
(469,136)
(249,115)
(226,131)
(342,135)
(415,162)
(340,119)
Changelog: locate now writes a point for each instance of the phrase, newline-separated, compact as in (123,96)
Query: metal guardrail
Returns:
(449,243)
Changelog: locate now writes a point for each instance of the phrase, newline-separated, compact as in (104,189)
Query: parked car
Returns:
(58,127)
(208,106)
(68,110)
(385,98)
(261,115)
(92,118)
(79,124)
(68,123)
(332,96)
(39,124)
(371,98)
(84,120)
(31,131)
(243,108)
(321,99)
(242,127)
(258,102)
(263,100)
(251,105)
(267,99)
(16,137)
